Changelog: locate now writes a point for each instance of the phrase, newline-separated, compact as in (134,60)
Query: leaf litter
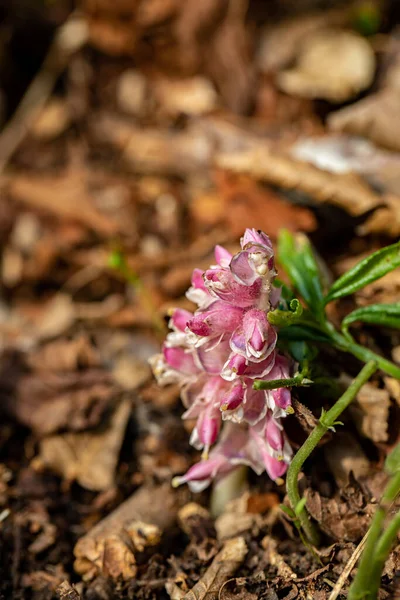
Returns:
(171,127)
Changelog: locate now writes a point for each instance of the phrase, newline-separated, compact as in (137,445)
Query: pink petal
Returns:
(275,468)
(218,318)
(180,319)
(180,360)
(212,356)
(221,283)
(201,474)
(234,367)
(282,398)
(259,370)
(197,280)
(273,434)
(255,406)
(254,236)
(233,398)
(222,256)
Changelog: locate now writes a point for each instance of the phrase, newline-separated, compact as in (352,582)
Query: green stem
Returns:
(367,581)
(326,421)
(363,354)
(274,384)
(382,551)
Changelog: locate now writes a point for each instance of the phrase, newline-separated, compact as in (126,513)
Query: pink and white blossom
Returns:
(217,352)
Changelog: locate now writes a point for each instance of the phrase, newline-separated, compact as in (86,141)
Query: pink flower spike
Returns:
(222,256)
(201,474)
(234,398)
(222,284)
(180,360)
(218,318)
(207,430)
(197,280)
(282,398)
(234,367)
(275,468)
(253,236)
(256,339)
(274,434)
(179,319)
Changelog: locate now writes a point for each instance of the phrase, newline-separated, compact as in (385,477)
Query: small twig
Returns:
(71,36)
(348,568)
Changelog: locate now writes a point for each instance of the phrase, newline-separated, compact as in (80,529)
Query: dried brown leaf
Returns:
(344,455)
(370,412)
(142,518)
(65,591)
(332,64)
(49,401)
(221,569)
(66,196)
(64,355)
(88,457)
(154,150)
(376,117)
(245,202)
(346,190)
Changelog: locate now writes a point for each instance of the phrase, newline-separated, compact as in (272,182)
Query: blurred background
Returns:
(135,135)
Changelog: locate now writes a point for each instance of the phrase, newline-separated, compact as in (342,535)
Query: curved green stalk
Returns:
(367,581)
(327,421)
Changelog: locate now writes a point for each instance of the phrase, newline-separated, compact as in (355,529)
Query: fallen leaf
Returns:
(52,121)
(56,318)
(344,455)
(77,400)
(191,96)
(377,116)
(336,519)
(279,44)
(66,196)
(64,355)
(370,412)
(142,519)
(131,92)
(66,591)
(223,567)
(346,190)
(155,150)
(332,64)
(90,458)
(246,202)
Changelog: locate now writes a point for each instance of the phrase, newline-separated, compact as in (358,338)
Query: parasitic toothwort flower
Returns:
(217,352)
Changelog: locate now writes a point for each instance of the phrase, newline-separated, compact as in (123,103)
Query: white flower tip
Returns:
(204,454)
(177,481)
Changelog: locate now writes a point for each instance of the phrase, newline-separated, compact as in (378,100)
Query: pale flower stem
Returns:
(229,488)
(326,421)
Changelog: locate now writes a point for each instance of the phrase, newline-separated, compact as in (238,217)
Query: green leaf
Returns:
(370,269)
(300,506)
(296,256)
(392,462)
(287,510)
(284,318)
(300,333)
(301,351)
(387,315)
